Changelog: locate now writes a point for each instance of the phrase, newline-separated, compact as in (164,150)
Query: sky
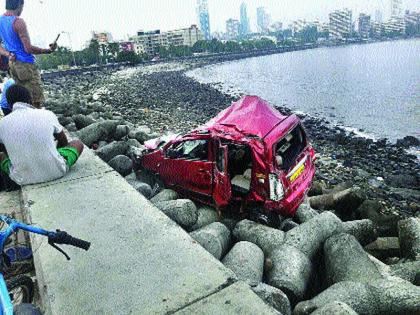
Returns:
(46,18)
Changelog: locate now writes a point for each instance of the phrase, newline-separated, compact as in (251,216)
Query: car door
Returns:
(222,189)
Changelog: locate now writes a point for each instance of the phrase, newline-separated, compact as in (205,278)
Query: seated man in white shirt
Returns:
(28,150)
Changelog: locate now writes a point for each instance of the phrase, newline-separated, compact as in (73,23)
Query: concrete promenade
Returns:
(140,262)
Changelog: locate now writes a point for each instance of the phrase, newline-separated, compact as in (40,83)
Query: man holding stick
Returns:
(18,48)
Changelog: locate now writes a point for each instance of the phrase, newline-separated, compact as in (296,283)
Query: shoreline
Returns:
(162,97)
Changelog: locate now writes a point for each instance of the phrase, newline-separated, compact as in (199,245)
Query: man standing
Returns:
(27,141)
(18,47)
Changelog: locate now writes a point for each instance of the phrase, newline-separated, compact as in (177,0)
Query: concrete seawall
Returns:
(140,262)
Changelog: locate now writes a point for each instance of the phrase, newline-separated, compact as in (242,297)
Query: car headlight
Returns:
(276,188)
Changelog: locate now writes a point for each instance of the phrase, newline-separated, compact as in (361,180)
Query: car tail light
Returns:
(276,188)
(312,154)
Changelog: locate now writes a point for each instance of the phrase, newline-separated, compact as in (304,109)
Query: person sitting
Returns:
(5,107)
(28,152)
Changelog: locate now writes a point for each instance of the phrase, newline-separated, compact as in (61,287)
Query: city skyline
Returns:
(147,15)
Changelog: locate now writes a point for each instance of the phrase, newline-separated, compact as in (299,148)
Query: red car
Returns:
(249,159)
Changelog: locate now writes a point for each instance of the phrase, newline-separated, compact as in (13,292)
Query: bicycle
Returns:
(22,282)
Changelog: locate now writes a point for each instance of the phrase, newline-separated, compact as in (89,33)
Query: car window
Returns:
(190,150)
(220,159)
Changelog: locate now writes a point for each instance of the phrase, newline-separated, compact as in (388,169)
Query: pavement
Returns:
(140,262)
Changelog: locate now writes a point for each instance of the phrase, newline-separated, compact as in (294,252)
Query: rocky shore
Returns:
(354,245)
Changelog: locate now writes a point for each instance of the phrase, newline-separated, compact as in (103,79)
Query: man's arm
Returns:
(20,28)
(62,140)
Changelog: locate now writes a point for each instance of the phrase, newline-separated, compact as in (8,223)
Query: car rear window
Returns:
(289,148)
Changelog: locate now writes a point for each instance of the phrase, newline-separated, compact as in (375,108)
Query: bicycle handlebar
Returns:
(61,237)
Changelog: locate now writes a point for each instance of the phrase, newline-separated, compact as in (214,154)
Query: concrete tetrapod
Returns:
(98,131)
(273,297)
(309,236)
(345,260)
(215,238)
(305,213)
(335,308)
(265,237)
(182,211)
(246,260)
(343,202)
(363,230)
(206,216)
(290,271)
(380,297)
(409,235)
(164,195)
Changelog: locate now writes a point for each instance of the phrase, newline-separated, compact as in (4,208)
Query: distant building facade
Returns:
(232,29)
(341,25)
(263,20)
(364,25)
(149,42)
(412,22)
(204,18)
(378,16)
(276,26)
(396,8)
(127,46)
(244,22)
(395,26)
(102,37)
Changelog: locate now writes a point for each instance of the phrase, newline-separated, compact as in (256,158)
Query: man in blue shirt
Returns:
(5,107)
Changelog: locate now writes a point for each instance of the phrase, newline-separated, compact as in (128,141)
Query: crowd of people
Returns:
(33,145)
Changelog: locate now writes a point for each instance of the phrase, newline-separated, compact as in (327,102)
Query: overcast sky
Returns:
(46,18)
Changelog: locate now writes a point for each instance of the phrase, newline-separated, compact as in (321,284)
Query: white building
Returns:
(263,20)
(341,25)
(232,28)
(396,8)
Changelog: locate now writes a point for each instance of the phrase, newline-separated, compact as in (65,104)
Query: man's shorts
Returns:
(70,154)
(27,75)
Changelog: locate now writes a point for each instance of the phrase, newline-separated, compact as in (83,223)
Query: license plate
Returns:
(296,174)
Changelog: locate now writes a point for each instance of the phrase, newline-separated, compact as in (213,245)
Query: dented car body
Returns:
(249,158)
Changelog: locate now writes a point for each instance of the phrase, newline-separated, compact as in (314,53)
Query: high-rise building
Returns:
(396,8)
(412,22)
(364,25)
(395,25)
(232,28)
(204,18)
(378,16)
(341,25)
(263,20)
(244,27)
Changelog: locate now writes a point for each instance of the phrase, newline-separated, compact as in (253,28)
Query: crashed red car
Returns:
(249,159)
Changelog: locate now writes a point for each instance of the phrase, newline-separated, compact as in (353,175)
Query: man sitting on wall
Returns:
(28,152)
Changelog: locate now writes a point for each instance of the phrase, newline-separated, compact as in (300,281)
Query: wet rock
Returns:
(142,188)
(335,308)
(309,236)
(344,202)
(305,213)
(345,260)
(165,195)
(71,127)
(64,121)
(109,151)
(122,164)
(182,211)
(290,271)
(407,271)
(98,131)
(121,131)
(274,297)
(409,236)
(246,260)
(206,216)
(317,188)
(82,121)
(215,238)
(384,247)
(385,224)
(263,236)
(364,230)
(402,181)
(141,134)
(377,298)
(408,141)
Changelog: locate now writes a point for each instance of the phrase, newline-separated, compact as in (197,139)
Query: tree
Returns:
(128,56)
(95,49)
(113,49)
(308,35)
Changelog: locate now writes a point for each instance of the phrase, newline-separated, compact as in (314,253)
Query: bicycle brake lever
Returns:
(60,250)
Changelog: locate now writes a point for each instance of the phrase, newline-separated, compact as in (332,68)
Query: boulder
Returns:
(317,188)
(215,238)
(408,141)
(165,195)
(266,238)
(121,131)
(409,236)
(82,121)
(109,151)
(385,224)
(141,134)
(122,164)
(98,131)
(335,308)
(182,211)
(246,260)
(273,297)
(142,188)
(363,230)
(345,260)
(384,247)
(206,216)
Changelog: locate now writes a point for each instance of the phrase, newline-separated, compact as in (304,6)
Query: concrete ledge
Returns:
(140,262)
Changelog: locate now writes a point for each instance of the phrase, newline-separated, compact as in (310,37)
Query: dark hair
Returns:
(17,93)
(13,4)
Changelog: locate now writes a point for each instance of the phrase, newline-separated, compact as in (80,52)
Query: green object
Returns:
(70,154)
(5,166)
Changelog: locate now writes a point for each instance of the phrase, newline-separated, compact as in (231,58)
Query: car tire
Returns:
(21,289)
